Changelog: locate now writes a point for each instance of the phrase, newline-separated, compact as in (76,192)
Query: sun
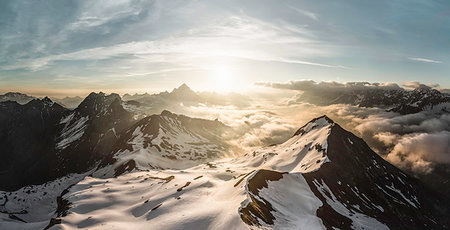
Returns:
(222,79)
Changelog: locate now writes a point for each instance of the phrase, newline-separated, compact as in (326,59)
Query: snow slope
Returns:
(322,178)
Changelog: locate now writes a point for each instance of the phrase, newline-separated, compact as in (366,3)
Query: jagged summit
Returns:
(318,122)
(182,87)
(97,102)
(184,93)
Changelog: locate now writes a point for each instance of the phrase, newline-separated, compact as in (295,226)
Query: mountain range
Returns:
(96,166)
(396,100)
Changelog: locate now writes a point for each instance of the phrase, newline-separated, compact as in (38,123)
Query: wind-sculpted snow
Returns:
(305,152)
(31,207)
(322,178)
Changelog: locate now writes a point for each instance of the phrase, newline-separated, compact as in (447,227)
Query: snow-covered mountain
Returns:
(168,141)
(397,100)
(357,188)
(324,177)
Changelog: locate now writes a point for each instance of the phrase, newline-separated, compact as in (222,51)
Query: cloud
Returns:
(238,36)
(418,152)
(417,85)
(424,60)
(306,13)
(310,85)
(447,91)
(416,142)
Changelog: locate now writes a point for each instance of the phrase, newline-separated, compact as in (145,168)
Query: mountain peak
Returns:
(318,122)
(47,99)
(182,88)
(95,102)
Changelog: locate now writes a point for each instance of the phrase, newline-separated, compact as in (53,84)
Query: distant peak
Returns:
(15,94)
(182,88)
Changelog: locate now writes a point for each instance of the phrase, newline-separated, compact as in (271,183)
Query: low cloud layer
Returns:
(418,152)
(415,142)
(310,85)
(313,86)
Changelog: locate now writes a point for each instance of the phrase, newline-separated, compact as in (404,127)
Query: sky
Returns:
(64,47)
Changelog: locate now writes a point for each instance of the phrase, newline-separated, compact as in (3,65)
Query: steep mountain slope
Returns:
(89,132)
(42,141)
(322,178)
(26,135)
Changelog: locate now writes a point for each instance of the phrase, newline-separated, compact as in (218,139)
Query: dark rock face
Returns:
(26,136)
(358,177)
(42,140)
(93,128)
(258,207)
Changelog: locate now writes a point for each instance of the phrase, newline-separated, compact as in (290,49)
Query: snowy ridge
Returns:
(305,152)
(168,141)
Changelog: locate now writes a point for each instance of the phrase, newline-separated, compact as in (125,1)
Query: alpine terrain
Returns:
(97,167)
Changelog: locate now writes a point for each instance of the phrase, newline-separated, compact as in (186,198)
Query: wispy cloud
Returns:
(241,37)
(306,13)
(424,60)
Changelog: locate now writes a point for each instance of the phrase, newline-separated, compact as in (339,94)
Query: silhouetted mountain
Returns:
(27,135)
